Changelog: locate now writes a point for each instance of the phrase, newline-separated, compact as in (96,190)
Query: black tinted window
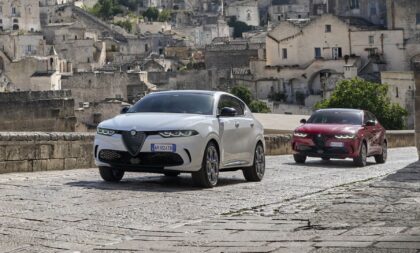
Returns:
(336,117)
(175,103)
(228,101)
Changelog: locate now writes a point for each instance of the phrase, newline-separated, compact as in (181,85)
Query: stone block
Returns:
(2,153)
(76,150)
(70,163)
(2,167)
(61,150)
(44,151)
(20,151)
(39,165)
(55,164)
(18,166)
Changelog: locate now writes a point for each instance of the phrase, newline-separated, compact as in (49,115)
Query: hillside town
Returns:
(289,53)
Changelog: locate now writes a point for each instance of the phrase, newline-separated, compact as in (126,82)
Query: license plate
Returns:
(336,144)
(163,148)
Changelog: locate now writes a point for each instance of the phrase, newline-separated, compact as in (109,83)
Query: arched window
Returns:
(15,20)
(51,62)
(1,64)
(15,27)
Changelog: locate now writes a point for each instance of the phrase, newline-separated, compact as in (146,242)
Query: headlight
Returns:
(103,131)
(345,136)
(300,135)
(178,133)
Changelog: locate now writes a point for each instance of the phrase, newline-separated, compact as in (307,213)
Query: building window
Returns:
(396,92)
(15,27)
(337,53)
(64,37)
(327,28)
(15,20)
(371,39)
(1,21)
(248,16)
(279,18)
(418,18)
(284,53)
(373,11)
(354,4)
(318,53)
(29,47)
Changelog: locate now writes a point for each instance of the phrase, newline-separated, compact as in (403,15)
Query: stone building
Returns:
(20,15)
(304,60)
(281,10)
(246,11)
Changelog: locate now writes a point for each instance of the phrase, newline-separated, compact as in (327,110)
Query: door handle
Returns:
(236,124)
(252,125)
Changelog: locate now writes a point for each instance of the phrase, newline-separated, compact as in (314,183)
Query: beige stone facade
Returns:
(20,15)
(246,11)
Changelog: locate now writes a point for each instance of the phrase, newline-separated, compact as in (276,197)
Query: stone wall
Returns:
(37,111)
(35,151)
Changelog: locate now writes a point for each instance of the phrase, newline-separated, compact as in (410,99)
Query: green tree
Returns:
(164,15)
(259,107)
(243,93)
(125,24)
(239,27)
(105,9)
(373,97)
(152,14)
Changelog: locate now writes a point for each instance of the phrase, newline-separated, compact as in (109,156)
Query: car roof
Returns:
(207,92)
(341,110)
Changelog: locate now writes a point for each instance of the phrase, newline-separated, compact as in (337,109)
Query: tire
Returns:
(255,173)
(300,159)
(208,175)
(360,160)
(111,175)
(326,158)
(171,173)
(382,157)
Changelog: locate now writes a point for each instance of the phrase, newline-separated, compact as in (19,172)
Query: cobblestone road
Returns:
(319,207)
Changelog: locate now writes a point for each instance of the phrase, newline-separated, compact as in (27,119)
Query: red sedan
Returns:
(340,134)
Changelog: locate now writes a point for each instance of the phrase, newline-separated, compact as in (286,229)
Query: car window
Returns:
(368,116)
(229,101)
(190,103)
(336,117)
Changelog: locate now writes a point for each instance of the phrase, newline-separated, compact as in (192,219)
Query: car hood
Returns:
(328,129)
(154,121)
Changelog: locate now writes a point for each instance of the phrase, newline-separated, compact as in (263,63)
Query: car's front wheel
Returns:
(300,159)
(382,157)
(255,173)
(208,175)
(361,159)
(111,175)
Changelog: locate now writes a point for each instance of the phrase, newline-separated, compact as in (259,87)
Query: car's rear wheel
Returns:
(255,173)
(299,158)
(361,159)
(208,175)
(110,174)
(382,157)
(171,173)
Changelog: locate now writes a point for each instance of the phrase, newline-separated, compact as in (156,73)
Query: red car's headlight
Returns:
(300,135)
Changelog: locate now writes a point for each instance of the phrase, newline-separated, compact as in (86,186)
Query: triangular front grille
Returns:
(133,141)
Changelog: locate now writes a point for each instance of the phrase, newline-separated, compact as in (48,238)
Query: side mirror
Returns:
(228,112)
(124,110)
(303,121)
(370,123)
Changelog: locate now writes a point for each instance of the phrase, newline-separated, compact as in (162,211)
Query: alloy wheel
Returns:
(212,165)
(260,161)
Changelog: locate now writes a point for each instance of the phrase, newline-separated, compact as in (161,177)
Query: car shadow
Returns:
(408,174)
(332,164)
(153,184)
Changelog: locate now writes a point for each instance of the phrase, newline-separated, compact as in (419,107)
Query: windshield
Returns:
(175,103)
(336,117)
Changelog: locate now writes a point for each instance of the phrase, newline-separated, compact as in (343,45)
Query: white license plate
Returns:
(163,148)
(336,144)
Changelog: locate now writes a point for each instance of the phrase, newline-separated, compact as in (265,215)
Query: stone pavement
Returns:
(380,215)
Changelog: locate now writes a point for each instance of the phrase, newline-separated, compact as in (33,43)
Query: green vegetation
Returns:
(105,9)
(239,27)
(245,94)
(164,15)
(125,24)
(361,94)
(151,14)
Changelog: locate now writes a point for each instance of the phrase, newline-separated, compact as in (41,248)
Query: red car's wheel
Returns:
(360,160)
(299,158)
(382,157)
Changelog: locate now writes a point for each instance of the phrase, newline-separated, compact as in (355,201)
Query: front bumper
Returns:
(110,151)
(329,147)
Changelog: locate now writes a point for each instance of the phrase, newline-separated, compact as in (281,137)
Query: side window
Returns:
(228,101)
(372,117)
(369,116)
